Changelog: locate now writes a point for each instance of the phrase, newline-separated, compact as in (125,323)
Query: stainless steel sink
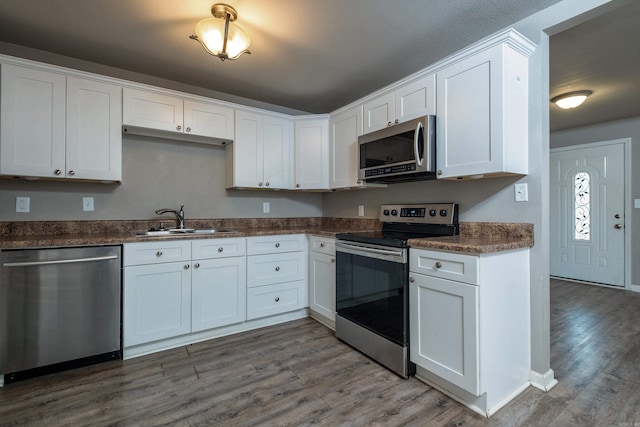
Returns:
(178,231)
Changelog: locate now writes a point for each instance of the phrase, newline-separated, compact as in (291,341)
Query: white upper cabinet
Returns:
(94,130)
(412,100)
(260,156)
(55,126)
(312,154)
(183,117)
(482,122)
(345,129)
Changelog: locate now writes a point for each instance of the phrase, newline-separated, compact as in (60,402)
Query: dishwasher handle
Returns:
(61,261)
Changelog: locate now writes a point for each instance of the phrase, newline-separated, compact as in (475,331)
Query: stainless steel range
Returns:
(372,280)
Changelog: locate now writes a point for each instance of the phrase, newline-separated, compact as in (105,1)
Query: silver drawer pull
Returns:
(186,266)
(159,253)
(322,245)
(277,299)
(220,249)
(438,264)
(196,265)
(277,268)
(412,279)
(277,245)
(333,260)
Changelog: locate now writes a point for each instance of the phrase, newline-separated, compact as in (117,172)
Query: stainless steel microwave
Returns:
(399,153)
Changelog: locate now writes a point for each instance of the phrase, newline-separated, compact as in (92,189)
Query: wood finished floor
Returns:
(298,374)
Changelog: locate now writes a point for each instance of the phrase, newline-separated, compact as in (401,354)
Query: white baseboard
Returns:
(544,382)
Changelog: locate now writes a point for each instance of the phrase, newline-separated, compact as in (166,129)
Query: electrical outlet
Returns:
(522,192)
(23,204)
(360,210)
(87,204)
(266,207)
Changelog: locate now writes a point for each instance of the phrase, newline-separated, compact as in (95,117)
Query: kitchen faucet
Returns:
(179,215)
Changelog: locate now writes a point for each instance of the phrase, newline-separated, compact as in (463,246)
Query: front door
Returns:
(587,212)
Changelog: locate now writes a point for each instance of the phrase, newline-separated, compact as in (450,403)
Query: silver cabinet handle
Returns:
(196,265)
(277,245)
(260,184)
(159,253)
(617,226)
(397,121)
(71,173)
(438,264)
(388,124)
(277,268)
(322,244)
(188,129)
(266,184)
(412,279)
(439,172)
(220,249)
(277,299)
(57,171)
(333,260)
(178,127)
(186,266)
(617,216)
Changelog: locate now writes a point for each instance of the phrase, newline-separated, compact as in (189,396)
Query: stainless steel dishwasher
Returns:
(59,308)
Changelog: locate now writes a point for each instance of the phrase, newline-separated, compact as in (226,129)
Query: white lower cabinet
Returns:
(276,270)
(218,286)
(322,278)
(470,324)
(180,287)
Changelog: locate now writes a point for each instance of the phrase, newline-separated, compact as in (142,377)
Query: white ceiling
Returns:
(317,55)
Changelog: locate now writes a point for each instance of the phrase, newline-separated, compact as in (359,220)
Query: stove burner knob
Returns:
(394,212)
(443,212)
(385,212)
(432,212)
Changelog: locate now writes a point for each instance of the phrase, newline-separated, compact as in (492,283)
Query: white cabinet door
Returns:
(345,129)
(32,131)
(276,152)
(482,115)
(322,284)
(152,110)
(444,330)
(157,302)
(416,99)
(379,112)
(247,166)
(312,154)
(94,130)
(218,293)
(208,119)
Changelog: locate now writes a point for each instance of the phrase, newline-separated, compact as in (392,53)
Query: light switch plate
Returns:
(636,203)
(87,204)
(521,192)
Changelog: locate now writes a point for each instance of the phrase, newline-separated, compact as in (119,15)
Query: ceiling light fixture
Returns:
(220,36)
(571,99)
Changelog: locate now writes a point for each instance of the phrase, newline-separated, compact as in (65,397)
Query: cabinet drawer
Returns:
(325,245)
(218,248)
(275,244)
(275,299)
(156,252)
(458,267)
(275,268)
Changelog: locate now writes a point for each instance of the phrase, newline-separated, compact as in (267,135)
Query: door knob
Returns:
(617,226)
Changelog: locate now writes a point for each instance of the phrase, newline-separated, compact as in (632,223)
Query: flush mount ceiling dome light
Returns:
(220,36)
(571,99)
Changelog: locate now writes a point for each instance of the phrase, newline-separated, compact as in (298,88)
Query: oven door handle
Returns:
(389,254)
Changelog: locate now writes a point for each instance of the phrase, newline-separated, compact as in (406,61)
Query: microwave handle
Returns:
(416,142)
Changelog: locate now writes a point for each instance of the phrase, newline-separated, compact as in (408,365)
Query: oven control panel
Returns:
(425,213)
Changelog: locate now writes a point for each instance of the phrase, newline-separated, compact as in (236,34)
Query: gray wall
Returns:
(629,128)
(156,174)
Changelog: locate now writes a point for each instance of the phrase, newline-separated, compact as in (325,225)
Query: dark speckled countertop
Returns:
(475,237)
